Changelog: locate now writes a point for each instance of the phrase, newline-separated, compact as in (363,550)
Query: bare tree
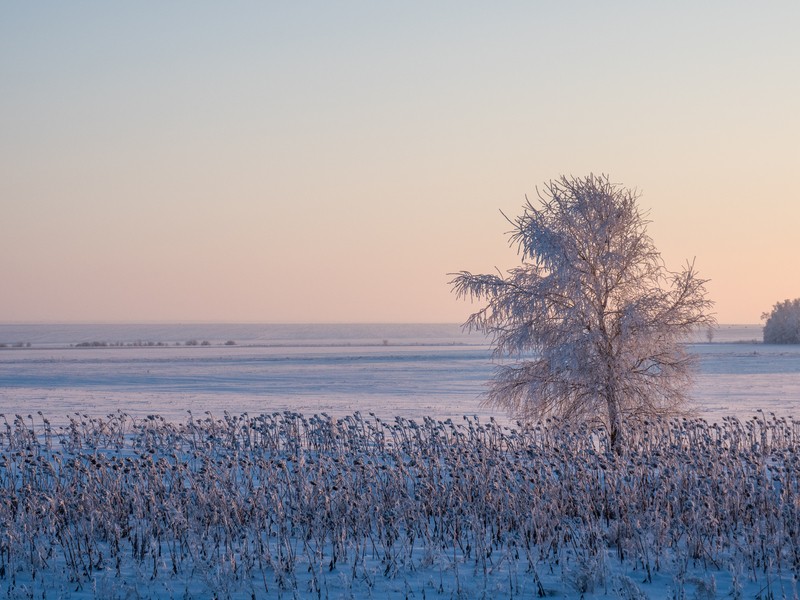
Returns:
(593,317)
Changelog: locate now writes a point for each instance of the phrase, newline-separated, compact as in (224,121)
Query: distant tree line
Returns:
(783,323)
(136,344)
(104,344)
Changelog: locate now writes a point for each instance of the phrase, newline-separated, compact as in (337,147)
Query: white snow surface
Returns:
(392,370)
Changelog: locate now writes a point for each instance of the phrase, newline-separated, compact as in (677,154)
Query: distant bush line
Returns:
(141,344)
(136,344)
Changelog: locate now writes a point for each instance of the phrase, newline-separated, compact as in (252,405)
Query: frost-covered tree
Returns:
(783,323)
(593,317)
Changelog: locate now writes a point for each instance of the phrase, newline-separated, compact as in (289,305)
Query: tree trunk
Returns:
(614,421)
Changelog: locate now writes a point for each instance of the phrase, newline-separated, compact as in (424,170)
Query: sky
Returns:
(335,161)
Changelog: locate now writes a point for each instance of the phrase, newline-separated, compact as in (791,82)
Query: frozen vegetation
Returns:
(591,324)
(283,505)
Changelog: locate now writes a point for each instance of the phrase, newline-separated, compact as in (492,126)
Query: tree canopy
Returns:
(591,325)
(783,323)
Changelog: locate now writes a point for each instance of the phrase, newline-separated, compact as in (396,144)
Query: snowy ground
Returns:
(707,549)
(410,380)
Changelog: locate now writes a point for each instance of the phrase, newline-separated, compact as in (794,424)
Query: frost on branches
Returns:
(593,317)
(783,323)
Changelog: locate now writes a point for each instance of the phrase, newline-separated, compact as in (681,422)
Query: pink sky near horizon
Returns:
(313,162)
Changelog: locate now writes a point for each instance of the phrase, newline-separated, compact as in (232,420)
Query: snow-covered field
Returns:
(94,504)
(392,370)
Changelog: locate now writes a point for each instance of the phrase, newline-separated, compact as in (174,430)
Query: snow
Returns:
(437,381)
(438,376)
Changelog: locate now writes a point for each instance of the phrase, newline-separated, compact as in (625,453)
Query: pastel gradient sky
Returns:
(334,161)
